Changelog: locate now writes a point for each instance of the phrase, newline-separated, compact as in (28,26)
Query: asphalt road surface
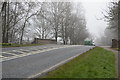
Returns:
(37,59)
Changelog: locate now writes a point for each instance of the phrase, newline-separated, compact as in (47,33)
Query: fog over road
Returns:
(30,65)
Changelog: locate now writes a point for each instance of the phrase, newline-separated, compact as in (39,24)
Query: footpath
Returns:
(117,59)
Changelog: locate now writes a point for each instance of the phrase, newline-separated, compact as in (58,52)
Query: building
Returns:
(44,41)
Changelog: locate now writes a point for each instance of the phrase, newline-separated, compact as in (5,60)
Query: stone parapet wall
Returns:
(115,43)
(43,41)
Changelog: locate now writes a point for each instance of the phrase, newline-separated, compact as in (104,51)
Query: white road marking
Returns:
(1,56)
(23,50)
(18,51)
(10,53)
(33,52)
(17,56)
(53,67)
(4,52)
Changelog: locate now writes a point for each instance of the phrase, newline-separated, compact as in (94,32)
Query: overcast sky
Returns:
(93,9)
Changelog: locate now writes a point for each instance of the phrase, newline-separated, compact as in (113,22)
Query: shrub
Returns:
(6,44)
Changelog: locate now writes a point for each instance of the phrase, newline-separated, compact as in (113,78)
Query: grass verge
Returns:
(116,49)
(96,63)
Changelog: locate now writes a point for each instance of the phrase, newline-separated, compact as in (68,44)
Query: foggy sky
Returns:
(93,11)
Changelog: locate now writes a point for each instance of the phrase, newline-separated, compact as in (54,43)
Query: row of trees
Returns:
(46,20)
(113,19)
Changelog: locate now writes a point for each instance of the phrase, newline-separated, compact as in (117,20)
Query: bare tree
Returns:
(28,15)
(5,19)
(51,19)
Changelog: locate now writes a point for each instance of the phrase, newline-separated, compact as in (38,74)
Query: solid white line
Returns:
(58,64)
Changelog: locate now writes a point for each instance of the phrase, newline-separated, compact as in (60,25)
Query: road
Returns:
(37,59)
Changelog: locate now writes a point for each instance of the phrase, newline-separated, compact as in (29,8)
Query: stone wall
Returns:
(119,44)
(115,43)
(43,41)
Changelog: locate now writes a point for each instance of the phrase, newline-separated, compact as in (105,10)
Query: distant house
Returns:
(44,41)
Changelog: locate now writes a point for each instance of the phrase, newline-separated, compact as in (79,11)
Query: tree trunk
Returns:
(4,22)
(21,39)
(56,35)
(119,25)
(7,23)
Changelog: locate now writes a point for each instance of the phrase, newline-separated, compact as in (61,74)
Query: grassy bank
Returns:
(116,49)
(96,63)
(7,45)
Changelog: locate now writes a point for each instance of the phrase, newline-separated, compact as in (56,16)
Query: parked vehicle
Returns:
(89,42)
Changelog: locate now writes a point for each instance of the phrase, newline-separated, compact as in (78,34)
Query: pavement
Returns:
(117,59)
(29,62)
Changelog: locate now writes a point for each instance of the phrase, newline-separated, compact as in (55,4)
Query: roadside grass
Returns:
(115,49)
(96,63)
(7,45)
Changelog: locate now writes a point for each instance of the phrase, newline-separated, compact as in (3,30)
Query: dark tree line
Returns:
(113,19)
